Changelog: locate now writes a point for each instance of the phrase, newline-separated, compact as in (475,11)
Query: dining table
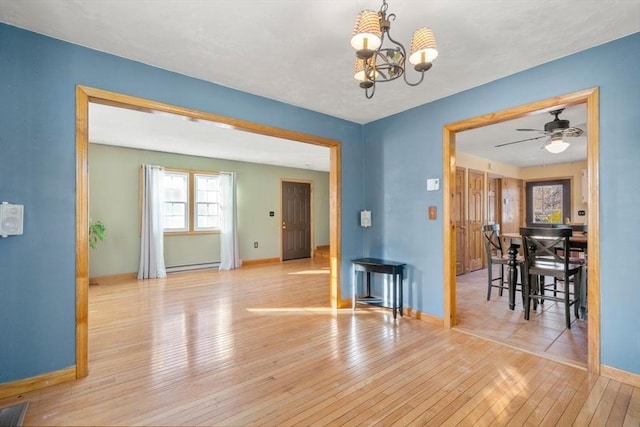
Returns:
(514,240)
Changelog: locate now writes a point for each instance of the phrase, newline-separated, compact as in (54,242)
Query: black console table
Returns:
(376,265)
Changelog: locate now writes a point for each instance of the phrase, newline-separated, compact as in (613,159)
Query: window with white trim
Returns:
(207,208)
(191,201)
(176,201)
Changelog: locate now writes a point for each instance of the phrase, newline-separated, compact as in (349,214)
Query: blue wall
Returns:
(38,76)
(406,149)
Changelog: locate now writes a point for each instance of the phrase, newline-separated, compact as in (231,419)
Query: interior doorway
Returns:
(85,95)
(590,97)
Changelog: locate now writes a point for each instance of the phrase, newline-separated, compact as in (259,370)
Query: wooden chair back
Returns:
(545,247)
(492,241)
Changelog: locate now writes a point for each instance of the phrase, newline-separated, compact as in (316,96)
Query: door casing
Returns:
(590,97)
(84,95)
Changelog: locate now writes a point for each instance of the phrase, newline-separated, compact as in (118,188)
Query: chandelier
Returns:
(376,63)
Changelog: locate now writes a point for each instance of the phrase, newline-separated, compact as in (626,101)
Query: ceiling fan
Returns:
(556,130)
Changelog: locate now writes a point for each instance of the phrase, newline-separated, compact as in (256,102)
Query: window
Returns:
(191,201)
(548,202)
(207,202)
(176,201)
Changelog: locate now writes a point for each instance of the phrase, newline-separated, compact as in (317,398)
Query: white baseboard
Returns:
(180,268)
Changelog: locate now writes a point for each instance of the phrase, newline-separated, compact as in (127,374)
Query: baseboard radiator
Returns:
(189,267)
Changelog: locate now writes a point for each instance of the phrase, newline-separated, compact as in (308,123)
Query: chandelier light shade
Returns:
(366,34)
(556,145)
(379,63)
(359,73)
(423,49)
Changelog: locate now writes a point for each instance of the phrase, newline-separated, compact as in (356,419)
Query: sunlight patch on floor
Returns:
(323,271)
(304,310)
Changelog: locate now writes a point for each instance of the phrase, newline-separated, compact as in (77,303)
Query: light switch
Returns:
(433,212)
(433,184)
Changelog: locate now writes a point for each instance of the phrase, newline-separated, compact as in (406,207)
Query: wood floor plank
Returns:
(632,417)
(579,399)
(605,406)
(546,403)
(534,399)
(261,346)
(592,402)
(571,386)
(496,402)
(435,391)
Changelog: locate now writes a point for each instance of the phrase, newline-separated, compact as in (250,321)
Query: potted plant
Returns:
(97,232)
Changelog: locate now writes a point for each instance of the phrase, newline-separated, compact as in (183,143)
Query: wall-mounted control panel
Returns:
(365,219)
(11,219)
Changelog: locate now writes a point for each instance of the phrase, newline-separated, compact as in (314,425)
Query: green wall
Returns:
(113,199)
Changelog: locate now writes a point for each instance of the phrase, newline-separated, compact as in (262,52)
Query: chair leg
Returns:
(501,279)
(534,289)
(490,283)
(567,303)
(525,295)
(577,283)
(522,279)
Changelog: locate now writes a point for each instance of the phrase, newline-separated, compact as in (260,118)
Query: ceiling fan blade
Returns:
(530,130)
(573,131)
(516,142)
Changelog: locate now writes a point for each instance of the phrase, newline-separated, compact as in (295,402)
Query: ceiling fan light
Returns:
(423,47)
(556,146)
(367,34)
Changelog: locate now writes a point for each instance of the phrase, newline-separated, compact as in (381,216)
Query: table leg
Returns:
(368,284)
(401,297)
(512,275)
(394,303)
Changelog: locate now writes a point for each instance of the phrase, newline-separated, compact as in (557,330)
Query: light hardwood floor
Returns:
(258,346)
(544,333)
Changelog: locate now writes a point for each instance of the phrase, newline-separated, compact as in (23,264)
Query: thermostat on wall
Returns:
(11,219)
(433,184)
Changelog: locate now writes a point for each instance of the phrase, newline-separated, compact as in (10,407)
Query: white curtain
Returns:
(151,241)
(229,254)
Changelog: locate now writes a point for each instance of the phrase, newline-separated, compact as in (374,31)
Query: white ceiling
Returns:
(481,142)
(178,134)
(298,52)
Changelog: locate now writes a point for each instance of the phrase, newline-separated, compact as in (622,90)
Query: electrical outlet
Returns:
(255,244)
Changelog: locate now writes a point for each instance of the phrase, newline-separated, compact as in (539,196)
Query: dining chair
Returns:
(578,250)
(496,255)
(545,252)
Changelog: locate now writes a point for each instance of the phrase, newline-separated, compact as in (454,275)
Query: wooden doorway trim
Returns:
(84,95)
(590,97)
